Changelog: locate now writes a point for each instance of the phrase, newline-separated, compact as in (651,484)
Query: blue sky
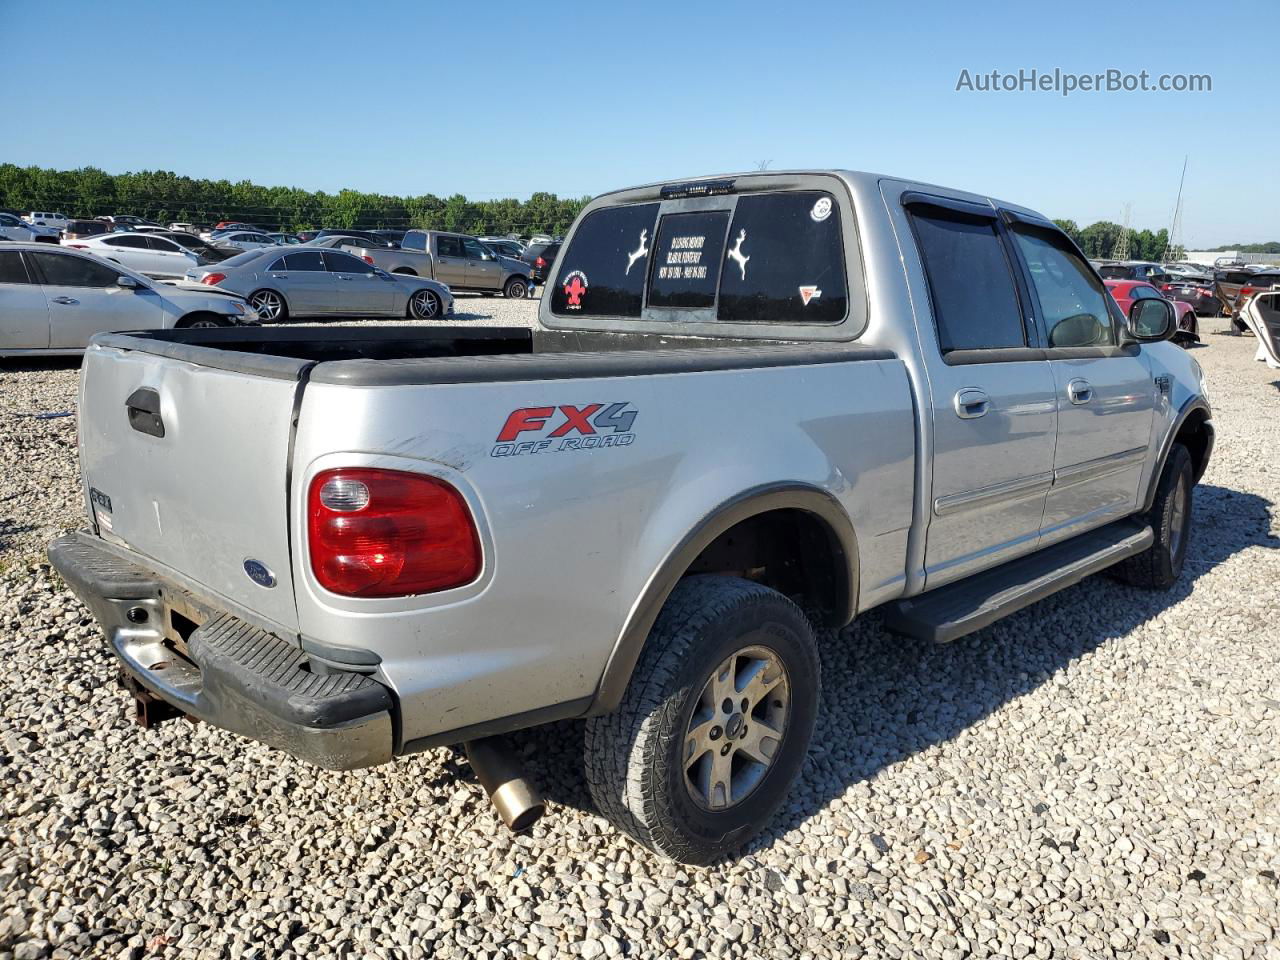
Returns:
(492,99)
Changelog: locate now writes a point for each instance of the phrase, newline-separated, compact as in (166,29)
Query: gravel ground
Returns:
(1096,776)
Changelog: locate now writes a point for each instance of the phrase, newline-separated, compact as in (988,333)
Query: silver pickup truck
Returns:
(753,405)
(462,262)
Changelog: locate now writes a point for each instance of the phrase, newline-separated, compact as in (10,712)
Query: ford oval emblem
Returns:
(259,573)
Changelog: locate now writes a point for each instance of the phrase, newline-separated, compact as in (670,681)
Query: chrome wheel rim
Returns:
(516,291)
(734,735)
(267,304)
(424,305)
(1178,518)
(202,323)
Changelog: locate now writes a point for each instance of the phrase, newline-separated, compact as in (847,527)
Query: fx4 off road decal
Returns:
(566,427)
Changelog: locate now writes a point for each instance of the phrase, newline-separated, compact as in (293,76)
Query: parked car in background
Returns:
(206,251)
(284,239)
(373,238)
(1133,270)
(391,238)
(149,254)
(541,258)
(1127,292)
(306,236)
(504,247)
(78,229)
(310,282)
(15,228)
(183,227)
(340,242)
(1194,289)
(53,300)
(242,240)
(129,220)
(1227,283)
(462,262)
(55,221)
(1262,281)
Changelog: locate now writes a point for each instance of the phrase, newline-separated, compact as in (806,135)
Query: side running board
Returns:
(960,608)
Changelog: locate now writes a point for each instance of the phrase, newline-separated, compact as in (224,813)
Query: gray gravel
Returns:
(1097,776)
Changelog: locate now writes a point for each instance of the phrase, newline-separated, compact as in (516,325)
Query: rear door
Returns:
(209,493)
(450,260)
(992,392)
(483,270)
(1104,392)
(131,250)
(84,299)
(171,260)
(361,288)
(24,312)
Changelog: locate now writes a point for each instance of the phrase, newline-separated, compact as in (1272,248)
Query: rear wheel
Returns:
(715,724)
(517,288)
(424,305)
(195,321)
(1159,566)
(270,306)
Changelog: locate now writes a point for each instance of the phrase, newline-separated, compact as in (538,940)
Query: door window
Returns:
(449,246)
(132,241)
(975,302)
(1072,301)
(68,270)
(163,245)
(311,260)
(475,249)
(11,268)
(345,263)
(414,241)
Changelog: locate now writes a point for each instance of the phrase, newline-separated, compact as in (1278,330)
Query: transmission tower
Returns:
(1121,251)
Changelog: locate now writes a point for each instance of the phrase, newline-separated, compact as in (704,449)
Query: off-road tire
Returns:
(1160,565)
(632,756)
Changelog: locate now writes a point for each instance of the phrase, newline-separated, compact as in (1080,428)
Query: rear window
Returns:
(785,262)
(609,259)
(687,256)
(240,259)
(1114,272)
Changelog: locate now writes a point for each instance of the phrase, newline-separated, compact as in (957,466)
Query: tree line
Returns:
(164,196)
(1101,241)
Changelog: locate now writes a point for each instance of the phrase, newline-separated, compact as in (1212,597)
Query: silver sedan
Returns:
(310,282)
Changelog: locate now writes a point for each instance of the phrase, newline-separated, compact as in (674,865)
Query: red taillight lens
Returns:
(1166,287)
(368,260)
(78,246)
(539,262)
(1248,291)
(385,533)
(214,279)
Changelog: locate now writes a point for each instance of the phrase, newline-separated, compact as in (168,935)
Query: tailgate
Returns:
(186,463)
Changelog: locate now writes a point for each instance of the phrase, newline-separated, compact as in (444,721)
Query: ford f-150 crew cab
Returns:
(462,262)
(752,404)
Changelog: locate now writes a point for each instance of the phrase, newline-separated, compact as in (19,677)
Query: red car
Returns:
(1127,291)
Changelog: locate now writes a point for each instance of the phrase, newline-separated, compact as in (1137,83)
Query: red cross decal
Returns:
(574,291)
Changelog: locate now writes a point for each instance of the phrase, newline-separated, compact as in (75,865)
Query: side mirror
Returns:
(127,283)
(1152,320)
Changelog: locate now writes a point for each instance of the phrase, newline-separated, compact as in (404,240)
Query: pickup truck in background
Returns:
(752,405)
(463,263)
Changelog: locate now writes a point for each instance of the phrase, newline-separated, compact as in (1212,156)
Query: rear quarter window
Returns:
(609,258)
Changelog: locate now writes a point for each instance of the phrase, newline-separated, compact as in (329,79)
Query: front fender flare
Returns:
(750,503)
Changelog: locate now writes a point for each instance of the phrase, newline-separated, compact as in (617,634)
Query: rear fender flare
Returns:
(764,499)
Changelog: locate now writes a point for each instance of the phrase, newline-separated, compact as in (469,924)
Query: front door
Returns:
(1105,392)
(483,270)
(362,290)
(308,288)
(991,391)
(24,312)
(450,260)
(84,299)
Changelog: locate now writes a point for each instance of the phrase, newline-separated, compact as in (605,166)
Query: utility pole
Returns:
(1175,224)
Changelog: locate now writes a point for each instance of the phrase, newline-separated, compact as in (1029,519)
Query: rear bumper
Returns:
(225,671)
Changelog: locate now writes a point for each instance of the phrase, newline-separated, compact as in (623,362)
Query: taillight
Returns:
(213,279)
(78,246)
(368,260)
(386,533)
(1248,291)
(539,262)
(1166,287)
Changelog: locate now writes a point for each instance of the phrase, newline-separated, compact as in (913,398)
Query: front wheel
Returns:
(715,724)
(200,321)
(517,288)
(1160,565)
(269,305)
(424,305)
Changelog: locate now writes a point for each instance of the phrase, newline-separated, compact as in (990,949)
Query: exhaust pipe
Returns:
(503,778)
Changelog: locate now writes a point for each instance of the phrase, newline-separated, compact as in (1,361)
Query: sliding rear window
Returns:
(602,272)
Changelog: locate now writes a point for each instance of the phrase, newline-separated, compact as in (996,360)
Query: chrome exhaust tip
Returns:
(501,774)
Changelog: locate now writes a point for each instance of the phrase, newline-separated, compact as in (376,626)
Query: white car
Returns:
(57,221)
(15,228)
(52,300)
(151,255)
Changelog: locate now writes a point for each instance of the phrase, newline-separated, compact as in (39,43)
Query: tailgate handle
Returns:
(144,412)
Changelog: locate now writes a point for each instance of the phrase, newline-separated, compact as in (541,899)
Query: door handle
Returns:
(69,301)
(971,403)
(1079,391)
